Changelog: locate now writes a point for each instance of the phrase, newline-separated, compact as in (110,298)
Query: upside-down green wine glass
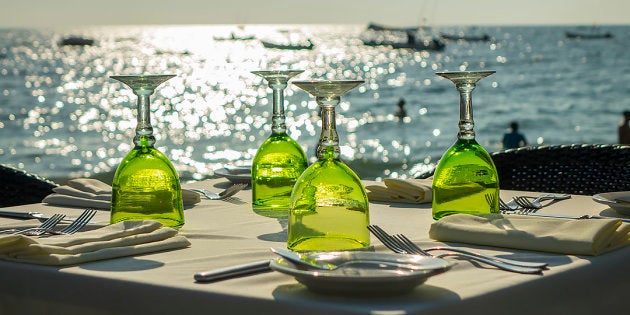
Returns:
(146,185)
(329,207)
(280,160)
(466,179)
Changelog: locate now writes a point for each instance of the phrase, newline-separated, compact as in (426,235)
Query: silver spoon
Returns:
(303,260)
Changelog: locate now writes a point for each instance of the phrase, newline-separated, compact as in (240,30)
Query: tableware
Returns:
(328,208)
(226,193)
(612,199)
(48,224)
(146,185)
(370,279)
(412,248)
(233,271)
(308,262)
(465,173)
(562,216)
(508,206)
(236,175)
(524,202)
(279,160)
(81,221)
(29,215)
(401,246)
(501,259)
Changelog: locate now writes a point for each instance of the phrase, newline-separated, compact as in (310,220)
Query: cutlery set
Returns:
(225,194)
(523,204)
(47,227)
(399,243)
(528,205)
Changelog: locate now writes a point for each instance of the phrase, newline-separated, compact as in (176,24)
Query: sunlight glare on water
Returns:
(67,118)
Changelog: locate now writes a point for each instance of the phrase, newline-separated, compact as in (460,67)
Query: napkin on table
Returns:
(93,193)
(121,239)
(565,236)
(401,190)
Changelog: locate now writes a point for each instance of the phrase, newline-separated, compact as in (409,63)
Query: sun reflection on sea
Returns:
(76,121)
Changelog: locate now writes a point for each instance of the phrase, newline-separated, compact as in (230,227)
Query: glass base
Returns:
(465,181)
(146,187)
(276,167)
(329,209)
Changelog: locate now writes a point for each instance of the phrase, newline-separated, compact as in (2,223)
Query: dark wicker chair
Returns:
(18,187)
(580,169)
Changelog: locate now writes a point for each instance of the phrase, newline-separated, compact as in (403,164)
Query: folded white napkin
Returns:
(92,193)
(121,239)
(401,190)
(565,236)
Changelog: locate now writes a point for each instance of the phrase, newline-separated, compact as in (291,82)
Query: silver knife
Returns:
(233,271)
(562,216)
(29,215)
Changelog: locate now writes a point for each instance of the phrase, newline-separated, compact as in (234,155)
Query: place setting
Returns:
(328,248)
(619,201)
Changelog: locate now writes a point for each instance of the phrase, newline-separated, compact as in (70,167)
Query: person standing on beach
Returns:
(624,129)
(514,139)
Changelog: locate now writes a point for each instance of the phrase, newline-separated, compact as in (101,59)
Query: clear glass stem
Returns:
(278,120)
(328,146)
(466,122)
(144,131)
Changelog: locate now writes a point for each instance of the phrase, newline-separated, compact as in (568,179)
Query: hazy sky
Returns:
(51,13)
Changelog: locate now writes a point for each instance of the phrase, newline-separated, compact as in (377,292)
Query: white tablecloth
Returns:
(224,233)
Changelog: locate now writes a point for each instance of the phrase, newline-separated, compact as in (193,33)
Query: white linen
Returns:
(116,240)
(564,236)
(92,193)
(401,190)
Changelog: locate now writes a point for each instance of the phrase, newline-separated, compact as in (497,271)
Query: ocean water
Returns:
(62,116)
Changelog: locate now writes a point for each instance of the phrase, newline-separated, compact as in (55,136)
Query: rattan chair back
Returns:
(584,169)
(18,187)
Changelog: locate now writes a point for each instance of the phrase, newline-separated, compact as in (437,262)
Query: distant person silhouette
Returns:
(411,38)
(514,139)
(401,112)
(624,129)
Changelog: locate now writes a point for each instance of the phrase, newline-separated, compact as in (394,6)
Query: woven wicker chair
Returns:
(580,169)
(18,187)
(585,169)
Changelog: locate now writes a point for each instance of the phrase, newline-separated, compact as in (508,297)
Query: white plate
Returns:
(236,174)
(370,279)
(609,199)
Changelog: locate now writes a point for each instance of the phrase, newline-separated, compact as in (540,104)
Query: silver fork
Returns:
(227,193)
(508,206)
(48,224)
(524,202)
(79,223)
(402,245)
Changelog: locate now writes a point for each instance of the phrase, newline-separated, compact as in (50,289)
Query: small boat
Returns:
(429,44)
(235,37)
(411,43)
(587,35)
(308,45)
(467,38)
(76,41)
(379,27)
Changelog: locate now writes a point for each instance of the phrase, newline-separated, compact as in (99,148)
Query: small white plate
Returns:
(236,174)
(609,199)
(370,279)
